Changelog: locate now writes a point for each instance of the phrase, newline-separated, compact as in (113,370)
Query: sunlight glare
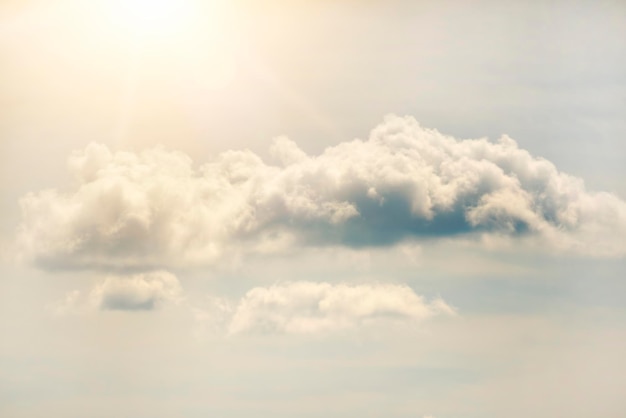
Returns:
(153,16)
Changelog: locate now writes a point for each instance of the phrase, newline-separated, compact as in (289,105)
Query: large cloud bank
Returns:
(314,308)
(156,209)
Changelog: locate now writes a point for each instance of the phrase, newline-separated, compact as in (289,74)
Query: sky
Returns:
(312,208)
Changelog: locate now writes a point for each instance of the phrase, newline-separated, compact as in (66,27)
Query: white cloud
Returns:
(137,292)
(309,307)
(287,152)
(145,291)
(156,209)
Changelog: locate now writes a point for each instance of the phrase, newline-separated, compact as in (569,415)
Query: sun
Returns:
(152,17)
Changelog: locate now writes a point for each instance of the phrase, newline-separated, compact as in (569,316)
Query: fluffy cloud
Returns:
(311,308)
(156,209)
(137,292)
(144,291)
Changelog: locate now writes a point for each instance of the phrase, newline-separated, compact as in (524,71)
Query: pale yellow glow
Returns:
(138,71)
(176,47)
(153,16)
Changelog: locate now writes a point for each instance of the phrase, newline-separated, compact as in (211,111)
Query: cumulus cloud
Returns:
(156,209)
(137,292)
(312,308)
(145,291)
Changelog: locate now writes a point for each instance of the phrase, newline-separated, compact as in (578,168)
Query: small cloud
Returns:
(310,307)
(139,292)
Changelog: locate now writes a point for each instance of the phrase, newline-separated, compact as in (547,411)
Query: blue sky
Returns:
(398,209)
